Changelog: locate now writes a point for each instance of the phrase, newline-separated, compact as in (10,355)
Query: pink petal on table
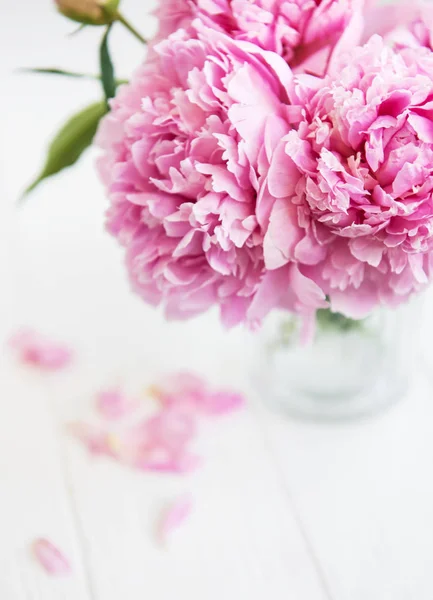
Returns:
(181,465)
(169,467)
(190,394)
(222,402)
(185,401)
(114,404)
(184,382)
(159,458)
(96,440)
(183,390)
(37,350)
(50,558)
(186,463)
(173,517)
(170,428)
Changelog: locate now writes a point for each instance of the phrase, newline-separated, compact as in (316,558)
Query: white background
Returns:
(283,510)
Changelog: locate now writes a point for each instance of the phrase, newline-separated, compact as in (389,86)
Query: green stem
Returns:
(129,27)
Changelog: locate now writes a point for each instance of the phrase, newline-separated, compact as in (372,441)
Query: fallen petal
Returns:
(170,428)
(186,463)
(222,402)
(180,389)
(37,350)
(113,404)
(96,440)
(171,467)
(173,517)
(50,558)
(163,459)
(186,401)
(185,382)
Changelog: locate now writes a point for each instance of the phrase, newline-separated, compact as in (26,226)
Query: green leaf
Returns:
(63,73)
(333,320)
(55,71)
(71,141)
(107,69)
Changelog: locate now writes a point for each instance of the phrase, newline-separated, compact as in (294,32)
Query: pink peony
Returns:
(237,183)
(306,33)
(414,26)
(187,145)
(352,187)
(402,24)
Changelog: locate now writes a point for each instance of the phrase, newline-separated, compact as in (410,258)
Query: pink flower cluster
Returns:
(275,154)
(358,171)
(306,33)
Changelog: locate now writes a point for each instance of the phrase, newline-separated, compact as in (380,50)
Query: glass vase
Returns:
(347,370)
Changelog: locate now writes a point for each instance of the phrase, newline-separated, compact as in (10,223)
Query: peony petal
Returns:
(283,234)
(39,351)
(173,517)
(234,312)
(309,252)
(351,36)
(171,428)
(416,262)
(223,402)
(283,174)
(309,293)
(96,440)
(51,558)
(367,250)
(308,328)
(354,304)
(114,404)
(271,290)
(182,464)
(183,391)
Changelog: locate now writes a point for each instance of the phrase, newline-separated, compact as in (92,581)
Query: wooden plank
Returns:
(240,541)
(34,499)
(364,495)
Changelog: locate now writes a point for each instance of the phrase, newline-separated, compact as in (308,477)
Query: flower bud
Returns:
(89,12)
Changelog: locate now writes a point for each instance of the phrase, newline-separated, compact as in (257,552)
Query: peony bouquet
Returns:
(267,154)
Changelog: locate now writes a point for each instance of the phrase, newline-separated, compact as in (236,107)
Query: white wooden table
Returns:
(283,510)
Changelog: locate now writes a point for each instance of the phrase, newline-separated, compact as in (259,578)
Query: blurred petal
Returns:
(36,350)
(173,517)
(50,558)
(223,402)
(114,404)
